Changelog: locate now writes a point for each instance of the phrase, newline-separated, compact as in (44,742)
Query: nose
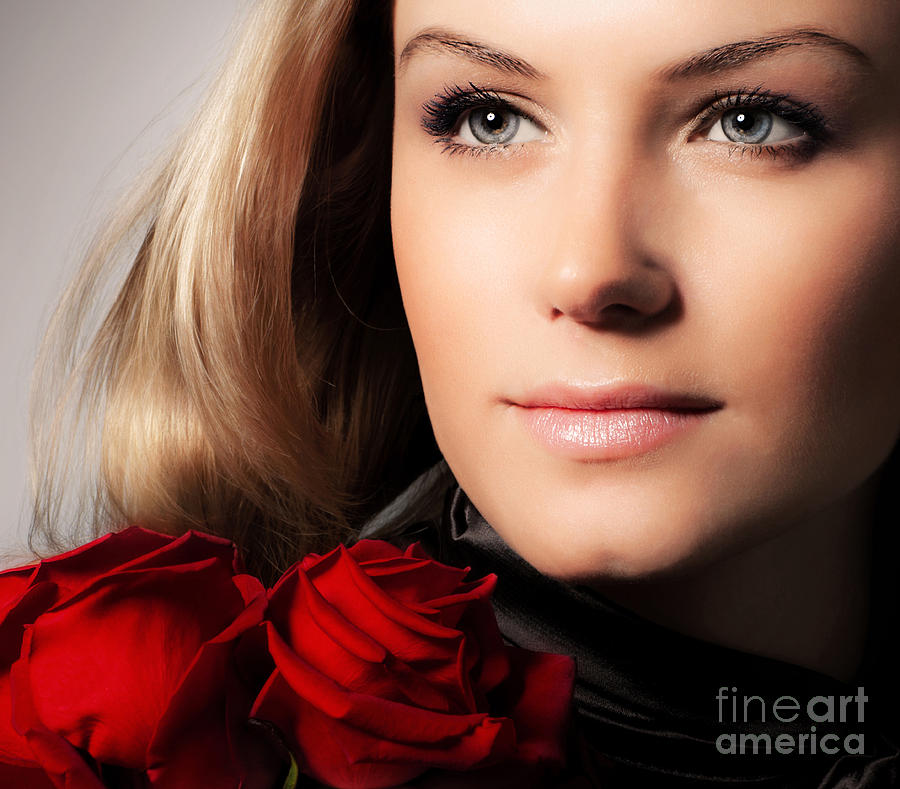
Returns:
(599,272)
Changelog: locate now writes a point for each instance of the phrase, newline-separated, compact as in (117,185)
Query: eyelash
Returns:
(804,115)
(442,114)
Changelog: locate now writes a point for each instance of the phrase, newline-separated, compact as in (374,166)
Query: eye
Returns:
(478,122)
(497,126)
(753,126)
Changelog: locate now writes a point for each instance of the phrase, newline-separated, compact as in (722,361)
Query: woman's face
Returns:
(649,257)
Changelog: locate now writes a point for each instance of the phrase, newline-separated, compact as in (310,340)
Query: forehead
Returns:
(615,35)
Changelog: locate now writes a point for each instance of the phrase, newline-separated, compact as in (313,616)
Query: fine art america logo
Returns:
(806,724)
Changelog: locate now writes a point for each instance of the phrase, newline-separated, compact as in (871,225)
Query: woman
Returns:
(647,262)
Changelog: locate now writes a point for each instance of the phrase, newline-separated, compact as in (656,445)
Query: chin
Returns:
(626,545)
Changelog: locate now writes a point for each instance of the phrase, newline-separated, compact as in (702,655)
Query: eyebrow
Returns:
(440,40)
(710,61)
(734,54)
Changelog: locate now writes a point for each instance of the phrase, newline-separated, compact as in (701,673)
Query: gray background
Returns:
(89,92)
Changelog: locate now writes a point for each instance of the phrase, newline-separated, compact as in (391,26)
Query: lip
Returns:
(598,423)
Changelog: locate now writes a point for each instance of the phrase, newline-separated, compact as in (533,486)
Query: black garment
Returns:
(646,713)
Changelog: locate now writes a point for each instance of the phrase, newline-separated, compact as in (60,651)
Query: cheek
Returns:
(801,286)
(465,263)
(426,250)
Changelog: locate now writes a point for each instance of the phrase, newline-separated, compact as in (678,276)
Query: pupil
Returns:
(744,122)
(493,121)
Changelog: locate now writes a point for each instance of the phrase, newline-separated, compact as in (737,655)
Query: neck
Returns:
(801,597)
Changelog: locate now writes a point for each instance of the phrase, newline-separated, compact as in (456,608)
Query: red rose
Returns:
(388,663)
(119,656)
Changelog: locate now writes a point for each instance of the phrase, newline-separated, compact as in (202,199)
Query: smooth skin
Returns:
(621,236)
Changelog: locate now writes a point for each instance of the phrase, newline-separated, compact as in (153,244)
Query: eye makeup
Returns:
(444,114)
(815,131)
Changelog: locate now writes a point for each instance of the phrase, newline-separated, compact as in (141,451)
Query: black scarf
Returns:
(646,708)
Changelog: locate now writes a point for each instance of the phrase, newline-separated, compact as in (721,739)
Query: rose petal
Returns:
(492,665)
(373,550)
(348,740)
(208,715)
(13,583)
(13,746)
(450,607)
(71,570)
(131,549)
(61,763)
(126,641)
(392,720)
(109,700)
(346,586)
(296,605)
(413,580)
(24,777)
(538,699)
(436,652)
(342,756)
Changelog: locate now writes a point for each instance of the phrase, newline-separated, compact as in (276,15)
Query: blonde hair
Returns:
(254,376)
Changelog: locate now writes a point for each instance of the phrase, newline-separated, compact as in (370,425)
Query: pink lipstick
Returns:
(609,422)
